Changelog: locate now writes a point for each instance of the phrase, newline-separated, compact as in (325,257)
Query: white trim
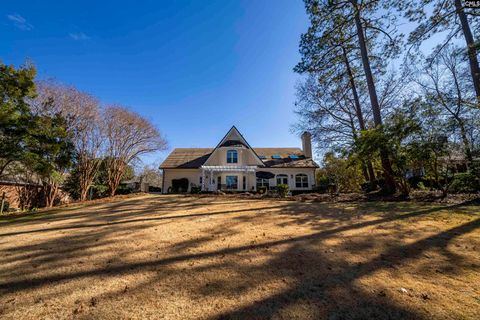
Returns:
(230,168)
(302,176)
(232,152)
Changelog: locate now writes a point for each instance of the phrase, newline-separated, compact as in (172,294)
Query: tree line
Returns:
(57,135)
(380,107)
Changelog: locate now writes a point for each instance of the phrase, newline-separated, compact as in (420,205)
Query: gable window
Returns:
(282,179)
(232,156)
(301,180)
(232,182)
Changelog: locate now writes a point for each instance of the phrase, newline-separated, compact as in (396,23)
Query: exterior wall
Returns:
(246,157)
(249,179)
(24,196)
(291,172)
(193,176)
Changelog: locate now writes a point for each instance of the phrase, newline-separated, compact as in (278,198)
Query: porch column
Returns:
(203,180)
(211,181)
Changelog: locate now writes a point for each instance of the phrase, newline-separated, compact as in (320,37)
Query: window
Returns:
(244,180)
(263,183)
(276,156)
(301,181)
(294,157)
(232,156)
(201,180)
(232,182)
(282,179)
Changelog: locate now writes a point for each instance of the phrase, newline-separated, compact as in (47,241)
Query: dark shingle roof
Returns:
(191,158)
(185,158)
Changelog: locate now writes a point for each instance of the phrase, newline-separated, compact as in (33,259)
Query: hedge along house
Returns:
(233,165)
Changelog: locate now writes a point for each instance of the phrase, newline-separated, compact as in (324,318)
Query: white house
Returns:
(233,165)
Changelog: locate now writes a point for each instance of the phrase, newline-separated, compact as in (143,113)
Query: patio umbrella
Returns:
(264,175)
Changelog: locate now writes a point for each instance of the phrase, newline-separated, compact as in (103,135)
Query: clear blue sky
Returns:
(195,68)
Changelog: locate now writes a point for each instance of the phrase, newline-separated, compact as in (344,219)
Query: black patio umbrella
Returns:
(264,175)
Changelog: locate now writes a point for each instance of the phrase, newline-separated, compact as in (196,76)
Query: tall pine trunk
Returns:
(377,117)
(358,111)
(472,51)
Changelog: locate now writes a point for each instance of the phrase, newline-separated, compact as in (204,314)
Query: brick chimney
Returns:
(307,144)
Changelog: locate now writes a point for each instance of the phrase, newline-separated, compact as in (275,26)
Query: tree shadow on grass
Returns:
(309,281)
(327,289)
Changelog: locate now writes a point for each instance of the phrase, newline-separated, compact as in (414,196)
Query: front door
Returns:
(219,183)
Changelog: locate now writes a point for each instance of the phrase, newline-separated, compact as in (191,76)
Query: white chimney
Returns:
(307,144)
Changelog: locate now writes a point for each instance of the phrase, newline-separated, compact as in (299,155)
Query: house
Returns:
(233,165)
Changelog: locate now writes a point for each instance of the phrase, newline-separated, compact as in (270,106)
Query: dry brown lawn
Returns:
(176,257)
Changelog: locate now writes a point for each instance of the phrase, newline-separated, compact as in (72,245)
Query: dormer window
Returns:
(232,156)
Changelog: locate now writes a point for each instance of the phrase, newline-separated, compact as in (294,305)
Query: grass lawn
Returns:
(176,257)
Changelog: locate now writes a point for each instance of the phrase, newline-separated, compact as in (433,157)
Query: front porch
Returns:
(228,178)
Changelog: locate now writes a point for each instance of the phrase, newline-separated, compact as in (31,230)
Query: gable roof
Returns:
(192,158)
(234,137)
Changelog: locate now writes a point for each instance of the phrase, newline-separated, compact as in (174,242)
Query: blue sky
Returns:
(194,68)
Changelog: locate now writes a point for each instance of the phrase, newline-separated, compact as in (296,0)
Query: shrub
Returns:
(123,189)
(195,189)
(72,184)
(323,184)
(368,186)
(282,190)
(99,191)
(154,189)
(464,183)
(421,186)
(262,189)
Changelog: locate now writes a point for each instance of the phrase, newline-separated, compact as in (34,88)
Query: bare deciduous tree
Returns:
(82,113)
(152,175)
(128,136)
(444,82)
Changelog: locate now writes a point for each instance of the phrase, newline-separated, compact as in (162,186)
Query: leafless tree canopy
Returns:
(128,136)
(82,112)
(444,84)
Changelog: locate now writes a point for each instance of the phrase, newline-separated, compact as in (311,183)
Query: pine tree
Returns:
(337,29)
(446,16)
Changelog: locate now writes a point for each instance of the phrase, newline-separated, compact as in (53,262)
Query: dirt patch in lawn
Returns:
(180,257)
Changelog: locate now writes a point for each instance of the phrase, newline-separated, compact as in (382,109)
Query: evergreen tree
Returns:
(445,16)
(337,29)
(16,88)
